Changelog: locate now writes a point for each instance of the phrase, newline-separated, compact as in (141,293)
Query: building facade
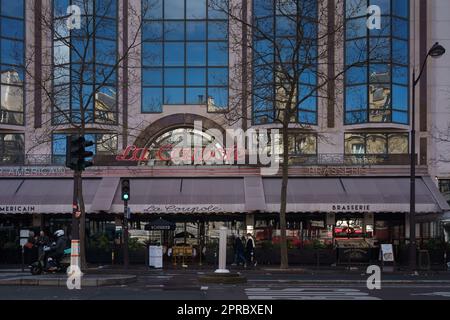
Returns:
(137,76)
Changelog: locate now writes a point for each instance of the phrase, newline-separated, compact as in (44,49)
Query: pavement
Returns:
(176,278)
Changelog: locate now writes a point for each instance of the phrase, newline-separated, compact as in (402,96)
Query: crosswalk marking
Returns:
(307,294)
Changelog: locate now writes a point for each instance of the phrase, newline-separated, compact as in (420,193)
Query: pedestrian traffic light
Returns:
(76,153)
(125,189)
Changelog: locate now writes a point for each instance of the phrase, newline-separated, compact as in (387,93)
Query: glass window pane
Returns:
(400,117)
(105,51)
(380,96)
(106,8)
(376,144)
(12,28)
(356,28)
(307,117)
(218,76)
(12,98)
(400,97)
(174,30)
(174,77)
(174,9)
(59,7)
(196,95)
(12,8)
(196,30)
(385,28)
(173,95)
(355,117)
(400,51)
(59,144)
(400,8)
(106,28)
(152,9)
(385,5)
(286,26)
(196,77)
(355,144)
(174,54)
(152,99)
(217,99)
(356,52)
(400,28)
(196,54)
(356,75)
(217,54)
(195,9)
(217,9)
(356,98)
(152,76)
(355,8)
(380,49)
(12,52)
(152,54)
(152,31)
(217,30)
(398,143)
(400,75)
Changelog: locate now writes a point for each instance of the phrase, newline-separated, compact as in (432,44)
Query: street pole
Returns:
(75,243)
(435,52)
(412,193)
(125,235)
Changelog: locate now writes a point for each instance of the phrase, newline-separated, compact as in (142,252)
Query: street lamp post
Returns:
(435,52)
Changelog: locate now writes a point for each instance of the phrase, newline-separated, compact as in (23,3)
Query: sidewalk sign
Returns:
(155,256)
(387,257)
(387,253)
(24,235)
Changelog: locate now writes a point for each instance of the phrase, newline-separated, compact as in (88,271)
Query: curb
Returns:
(61,282)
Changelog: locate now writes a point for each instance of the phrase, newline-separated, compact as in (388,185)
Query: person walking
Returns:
(250,246)
(239,251)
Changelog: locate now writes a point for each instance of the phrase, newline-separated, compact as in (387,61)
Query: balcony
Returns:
(325,159)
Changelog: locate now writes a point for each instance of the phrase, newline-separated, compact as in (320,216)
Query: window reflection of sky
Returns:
(184,55)
(378,61)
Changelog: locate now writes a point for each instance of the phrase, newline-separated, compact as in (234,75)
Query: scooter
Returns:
(51,265)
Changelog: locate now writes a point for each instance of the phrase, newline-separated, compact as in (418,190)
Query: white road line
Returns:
(307,294)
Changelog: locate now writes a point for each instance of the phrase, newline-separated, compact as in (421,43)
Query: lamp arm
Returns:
(421,70)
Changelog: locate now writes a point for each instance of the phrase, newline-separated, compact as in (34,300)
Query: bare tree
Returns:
(292,49)
(83,57)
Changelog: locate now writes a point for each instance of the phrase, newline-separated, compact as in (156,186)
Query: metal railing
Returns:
(326,159)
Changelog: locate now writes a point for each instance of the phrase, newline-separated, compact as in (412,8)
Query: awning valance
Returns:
(365,194)
(223,195)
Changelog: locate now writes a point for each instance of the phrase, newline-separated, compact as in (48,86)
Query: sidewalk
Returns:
(116,275)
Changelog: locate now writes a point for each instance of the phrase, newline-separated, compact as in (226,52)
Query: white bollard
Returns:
(222,251)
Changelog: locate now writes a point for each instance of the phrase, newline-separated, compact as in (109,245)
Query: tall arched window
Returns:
(377,91)
(84,62)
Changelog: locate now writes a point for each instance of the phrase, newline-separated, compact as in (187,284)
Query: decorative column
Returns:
(222,251)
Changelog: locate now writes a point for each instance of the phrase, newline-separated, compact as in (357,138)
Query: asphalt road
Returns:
(185,287)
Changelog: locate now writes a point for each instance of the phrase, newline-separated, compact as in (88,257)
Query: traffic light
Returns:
(76,153)
(72,151)
(82,162)
(125,189)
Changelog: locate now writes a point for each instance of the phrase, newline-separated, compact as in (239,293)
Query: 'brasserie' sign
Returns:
(351,207)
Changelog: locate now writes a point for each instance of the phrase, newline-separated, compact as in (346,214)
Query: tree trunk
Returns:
(283,202)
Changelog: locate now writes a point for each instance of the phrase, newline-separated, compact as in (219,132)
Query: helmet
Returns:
(59,233)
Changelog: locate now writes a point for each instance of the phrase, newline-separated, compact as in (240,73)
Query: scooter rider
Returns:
(56,251)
